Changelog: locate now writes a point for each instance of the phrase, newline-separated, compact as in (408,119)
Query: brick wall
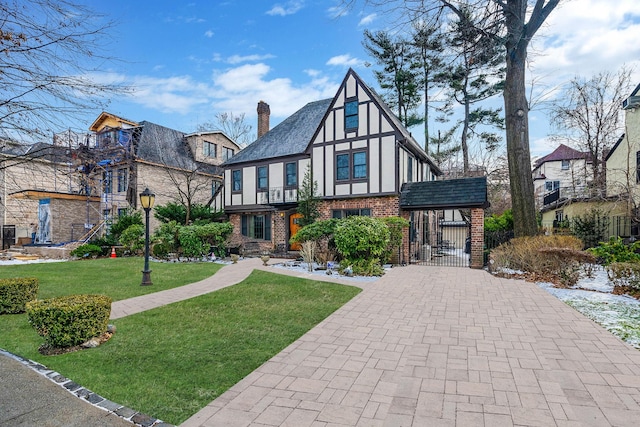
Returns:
(380,206)
(477,238)
(69,216)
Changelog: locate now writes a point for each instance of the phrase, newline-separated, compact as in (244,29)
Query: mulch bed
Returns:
(49,350)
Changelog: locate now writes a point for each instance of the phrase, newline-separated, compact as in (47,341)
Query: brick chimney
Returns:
(263,118)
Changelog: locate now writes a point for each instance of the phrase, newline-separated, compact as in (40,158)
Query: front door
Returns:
(294,226)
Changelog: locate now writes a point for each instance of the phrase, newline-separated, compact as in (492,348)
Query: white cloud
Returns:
(367,20)
(585,37)
(209,33)
(168,95)
(288,8)
(237,59)
(239,89)
(344,61)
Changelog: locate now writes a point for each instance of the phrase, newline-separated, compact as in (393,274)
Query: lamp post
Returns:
(146,200)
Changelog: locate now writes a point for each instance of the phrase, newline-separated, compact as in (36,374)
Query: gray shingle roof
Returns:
(291,136)
(449,193)
(162,145)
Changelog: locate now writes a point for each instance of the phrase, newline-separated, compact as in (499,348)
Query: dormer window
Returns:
(209,149)
(351,114)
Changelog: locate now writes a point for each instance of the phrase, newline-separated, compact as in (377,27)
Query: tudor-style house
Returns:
(357,151)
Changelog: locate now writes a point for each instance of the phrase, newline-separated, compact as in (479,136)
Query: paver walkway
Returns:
(229,275)
(427,346)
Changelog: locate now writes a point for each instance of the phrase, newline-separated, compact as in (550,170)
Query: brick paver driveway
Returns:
(427,346)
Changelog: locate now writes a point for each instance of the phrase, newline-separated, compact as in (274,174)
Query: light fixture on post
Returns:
(147,198)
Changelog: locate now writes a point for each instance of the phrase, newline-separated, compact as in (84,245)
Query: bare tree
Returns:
(513,23)
(588,117)
(49,50)
(235,127)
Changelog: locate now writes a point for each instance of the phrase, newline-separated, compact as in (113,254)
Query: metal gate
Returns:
(8,236)
(440,238)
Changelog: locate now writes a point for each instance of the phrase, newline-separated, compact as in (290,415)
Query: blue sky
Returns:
(190,60)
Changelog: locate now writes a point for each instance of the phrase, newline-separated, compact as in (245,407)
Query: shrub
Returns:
(616,251)
(503,222)
(105,243)
(133,238)
(360,238)
(69,320)
(555,258)
(191,244)
(591,227)
(317,231)
(87,250)
(625,276)
(396,227)
(16,293)
(124,221)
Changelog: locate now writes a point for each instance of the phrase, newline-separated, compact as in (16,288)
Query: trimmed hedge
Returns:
(70,320)
(15,293)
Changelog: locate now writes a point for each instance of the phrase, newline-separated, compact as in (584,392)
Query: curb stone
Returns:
(87,395)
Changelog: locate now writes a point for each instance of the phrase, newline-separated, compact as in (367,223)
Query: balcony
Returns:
(277,196)
(571,193)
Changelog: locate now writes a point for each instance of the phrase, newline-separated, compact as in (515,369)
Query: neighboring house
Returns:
(619,204)
(129,156)
(357,151)
(61,192)
(42,199)
(623,163)
(563,174)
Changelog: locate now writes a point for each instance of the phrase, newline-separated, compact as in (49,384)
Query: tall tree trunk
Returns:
(516,110)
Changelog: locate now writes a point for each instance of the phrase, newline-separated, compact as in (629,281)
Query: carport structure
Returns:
(427,203)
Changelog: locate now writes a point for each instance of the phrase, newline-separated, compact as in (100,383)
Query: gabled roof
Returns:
(445,194)
(295,134)
(290,137)
(412,144)
(98,123)
(615,147)
(562,153)
(165,146)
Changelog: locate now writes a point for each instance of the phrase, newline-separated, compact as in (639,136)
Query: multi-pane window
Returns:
(291,179)
(209,149)
(107,178)
(359,165)
(263,181)
(343,213)
(351,114)
(237,180)
(122,212)
(551,185)
(342,167)
(565,165)
(227,153)
(351,166)
(256,226)
(122,180)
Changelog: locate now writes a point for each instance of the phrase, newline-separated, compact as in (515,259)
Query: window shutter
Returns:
(244,225)
(267,227)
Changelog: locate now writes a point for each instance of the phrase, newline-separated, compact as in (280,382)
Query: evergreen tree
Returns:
(398,74)
(476,74)
(308,200)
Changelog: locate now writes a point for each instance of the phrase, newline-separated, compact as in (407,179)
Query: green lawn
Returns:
(172,361)
(118,278)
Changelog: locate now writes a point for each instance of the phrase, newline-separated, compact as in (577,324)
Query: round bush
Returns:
(70,320)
